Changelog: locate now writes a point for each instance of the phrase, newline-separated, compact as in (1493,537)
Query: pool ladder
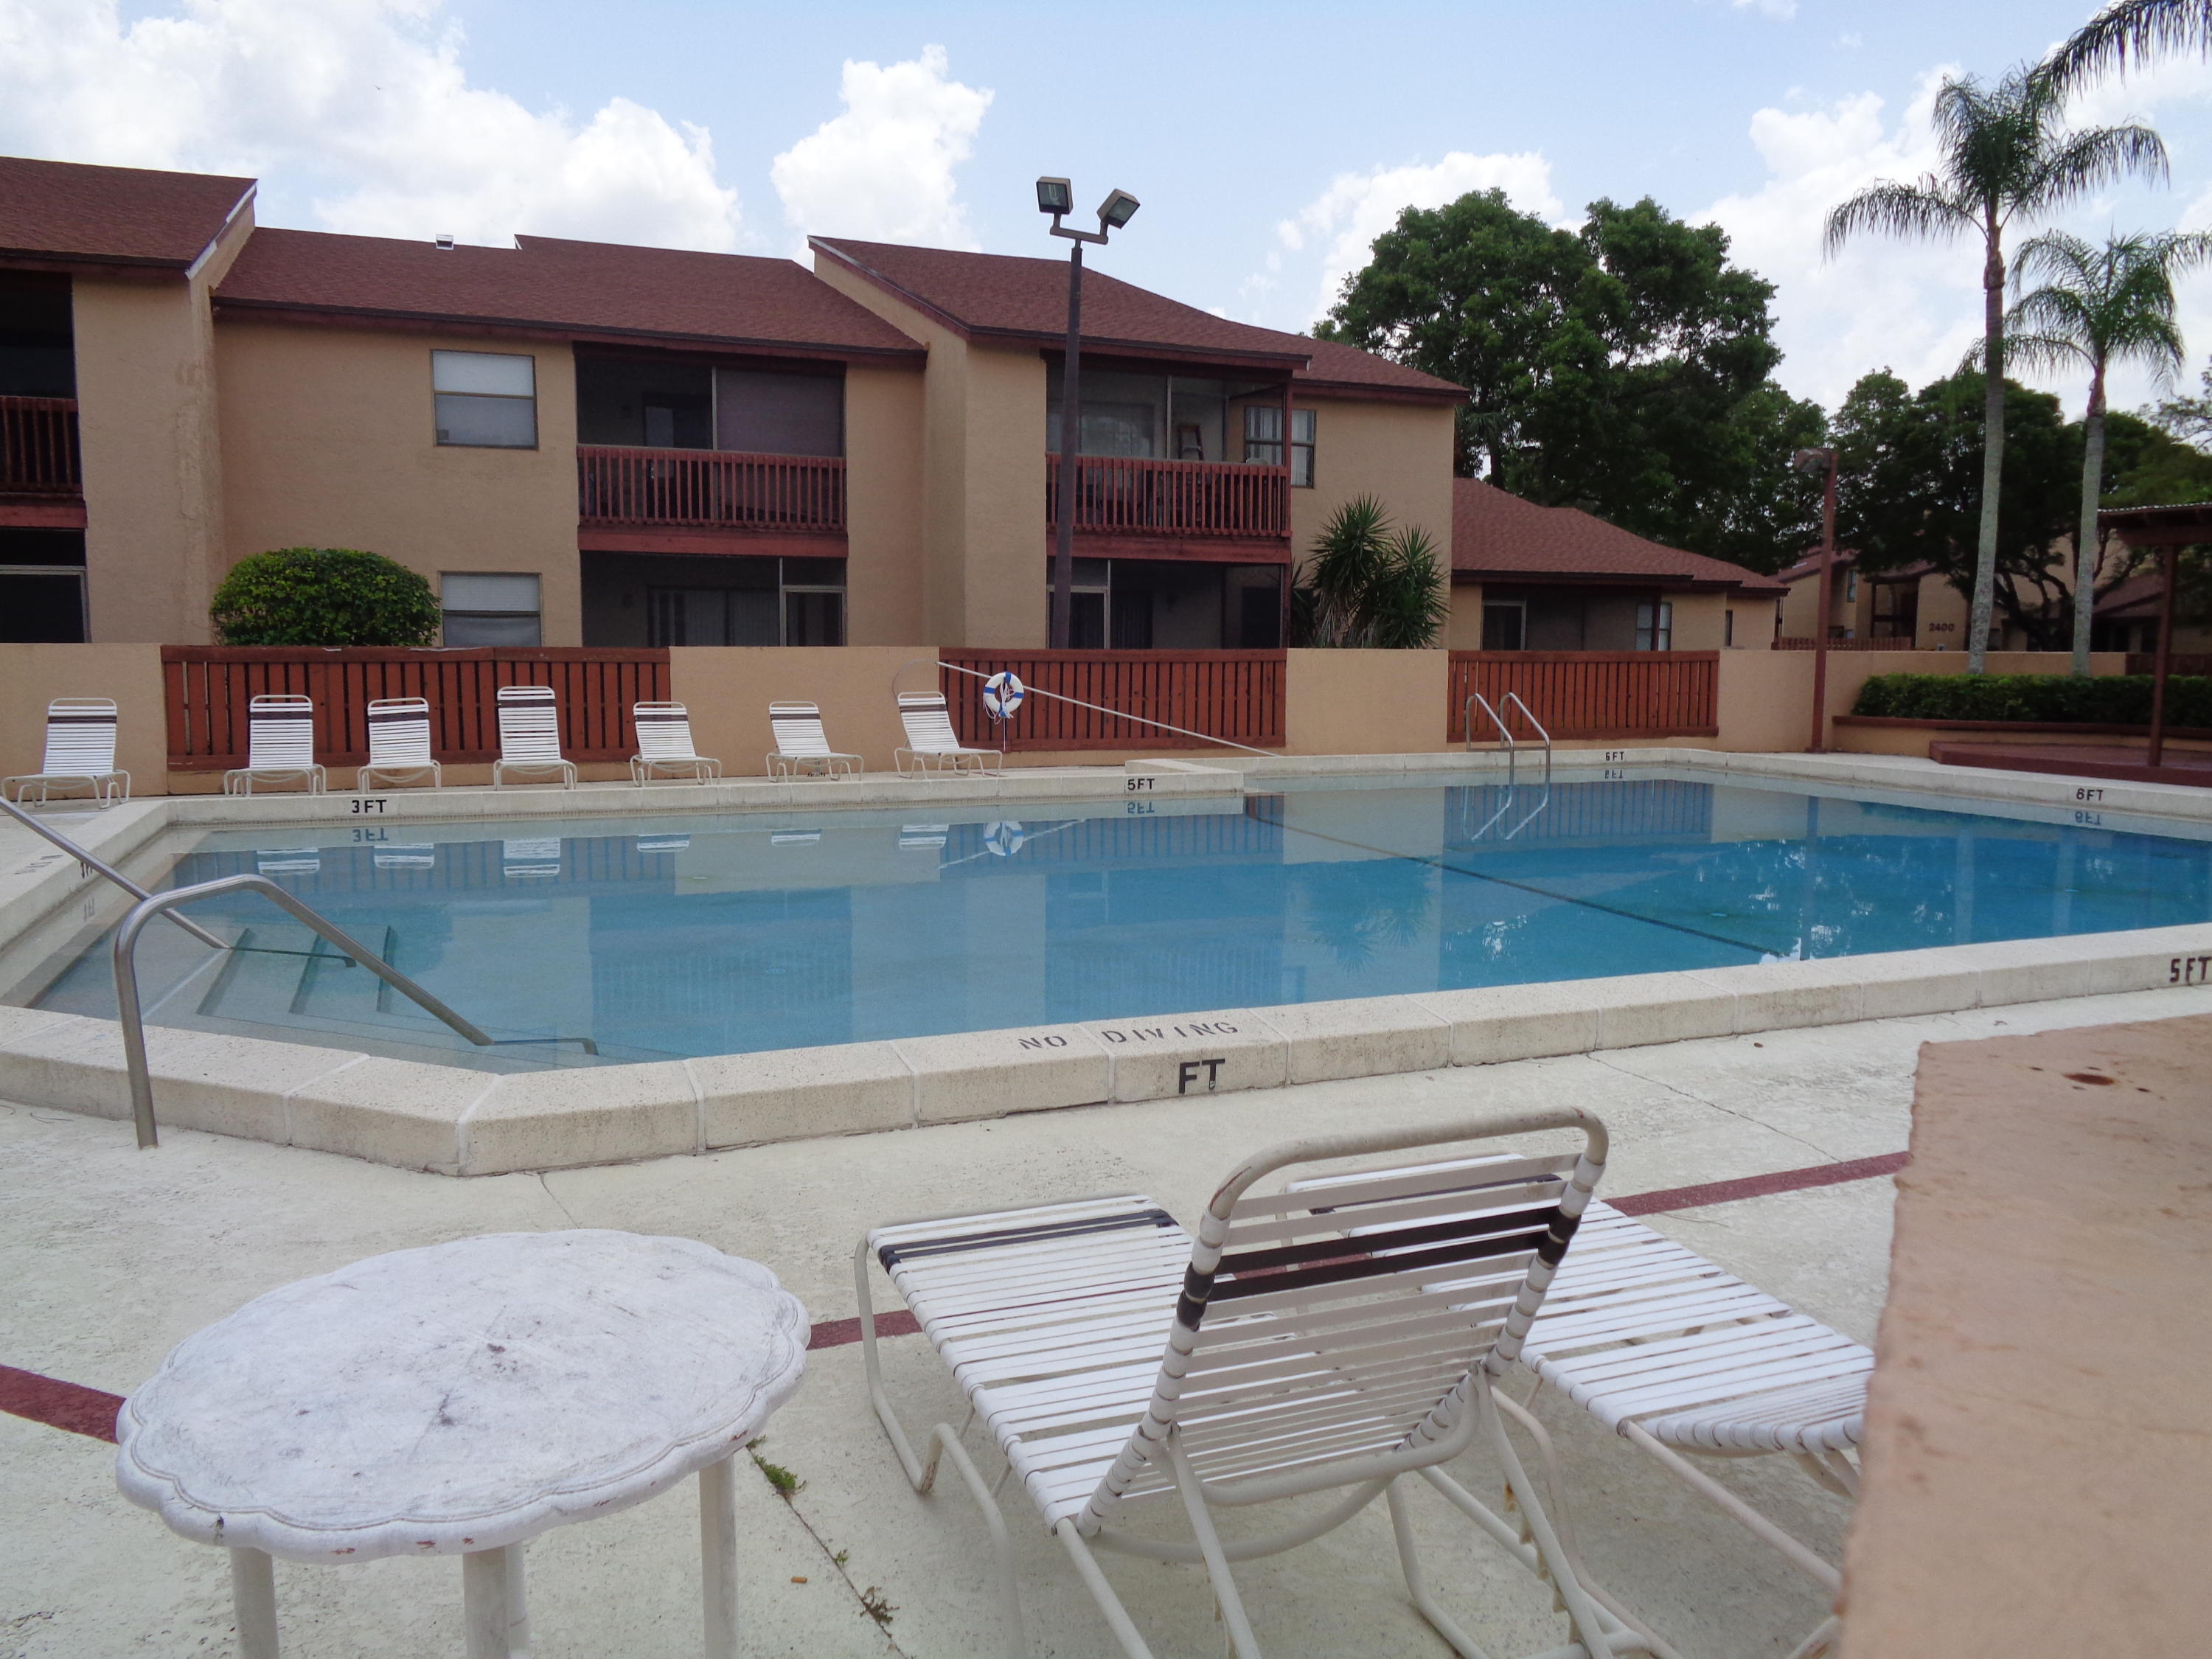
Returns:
(128,1010)
(1512,700)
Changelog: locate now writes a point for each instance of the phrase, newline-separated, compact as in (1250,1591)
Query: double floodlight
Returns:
(1057,197)
(1812,460)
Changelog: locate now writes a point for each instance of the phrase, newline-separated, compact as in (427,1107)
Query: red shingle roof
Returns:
(1499,537)
(1001,296)
(588,287)
(61,211)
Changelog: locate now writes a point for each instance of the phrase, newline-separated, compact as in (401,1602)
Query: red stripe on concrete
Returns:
(59,1405)
(85,1410)
(1783,1181)
(837,1333)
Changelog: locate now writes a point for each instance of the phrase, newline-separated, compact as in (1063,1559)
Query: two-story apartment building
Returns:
(585,444)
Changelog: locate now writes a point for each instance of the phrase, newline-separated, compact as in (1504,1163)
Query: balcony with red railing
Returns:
(1129,495)
(39,449)
(710,489)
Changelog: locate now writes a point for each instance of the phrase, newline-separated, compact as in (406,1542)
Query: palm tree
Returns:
(2126,30)
(2098,307)
(2006,158)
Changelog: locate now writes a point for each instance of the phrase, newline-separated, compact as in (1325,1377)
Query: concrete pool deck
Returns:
(391,1107)
(117,1254)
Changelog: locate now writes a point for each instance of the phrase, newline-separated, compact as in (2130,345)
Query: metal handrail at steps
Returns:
(98,868)
(127,1008)
(1512,700)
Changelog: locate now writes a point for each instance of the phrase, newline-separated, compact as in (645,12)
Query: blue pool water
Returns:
(728,934)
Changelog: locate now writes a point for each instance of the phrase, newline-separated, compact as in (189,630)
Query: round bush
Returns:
(324,596)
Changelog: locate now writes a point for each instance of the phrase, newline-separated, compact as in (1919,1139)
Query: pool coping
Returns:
(417,1115)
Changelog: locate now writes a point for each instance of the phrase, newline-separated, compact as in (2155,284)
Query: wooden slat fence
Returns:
(37,447)
(1592,693)
(1237,695)
(1131,495)
(710,489)
(209,687)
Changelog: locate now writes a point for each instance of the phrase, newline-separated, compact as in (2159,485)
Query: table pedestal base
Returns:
(253,1601)
(496,1609)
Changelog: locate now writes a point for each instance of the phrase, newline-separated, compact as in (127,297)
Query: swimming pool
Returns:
(737,933)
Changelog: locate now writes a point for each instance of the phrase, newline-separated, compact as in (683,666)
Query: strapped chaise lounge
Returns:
(801,744)
(79,750)
(280,746)
(1117,1360)
(663,741)
(931,742)
(399,745)
(529,735)
(1683,1359)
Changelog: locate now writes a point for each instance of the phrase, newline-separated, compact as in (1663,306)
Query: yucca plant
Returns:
(1368,585)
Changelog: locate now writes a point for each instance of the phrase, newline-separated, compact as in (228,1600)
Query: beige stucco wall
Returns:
(1366,703)
(1399,453)
(728,689)
(885,595)
(147,431)
(32,676)
(330,441)
(982,492)
(1463,628)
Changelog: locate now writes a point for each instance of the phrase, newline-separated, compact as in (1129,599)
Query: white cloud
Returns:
(1342,222)
(1782,9)
(883,170)
(360,108)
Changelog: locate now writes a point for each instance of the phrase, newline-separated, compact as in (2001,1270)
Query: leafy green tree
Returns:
(1910,487)
(2006,158)
(1368,585)
(1621,368)
(324,596)
(2097,306)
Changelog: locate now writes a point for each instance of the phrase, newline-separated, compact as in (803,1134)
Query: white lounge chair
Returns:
(80,749)
(535,856)
(931,742)
(1678,1356)
(801,744)
(280,746)
(399,745)
(664,739)
(529,735)
(1116,1360)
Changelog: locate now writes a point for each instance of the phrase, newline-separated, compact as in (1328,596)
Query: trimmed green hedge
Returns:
(2110,700)
(324,596)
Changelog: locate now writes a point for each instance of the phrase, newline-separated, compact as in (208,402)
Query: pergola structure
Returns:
(2169,529)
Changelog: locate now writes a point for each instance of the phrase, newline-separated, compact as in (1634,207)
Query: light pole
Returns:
(1807,461)
(1057,197)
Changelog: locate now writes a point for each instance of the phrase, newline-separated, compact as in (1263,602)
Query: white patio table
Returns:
(459,1400)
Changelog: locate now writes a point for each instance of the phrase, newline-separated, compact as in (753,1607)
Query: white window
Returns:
(1263,441)
(485,399)
(1655,625)
(485,608)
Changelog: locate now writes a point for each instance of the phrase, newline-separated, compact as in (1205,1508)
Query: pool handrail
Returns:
(1513,700)
(132,1017)
(108,870)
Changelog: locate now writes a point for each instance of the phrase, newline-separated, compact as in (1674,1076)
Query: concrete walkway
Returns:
(112,1255)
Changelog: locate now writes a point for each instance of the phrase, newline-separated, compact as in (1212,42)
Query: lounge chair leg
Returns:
(1821,1641)
(1401,1529)
(1742,1513)
(1241,1642)
(923,1475)
(1086,1568)
(1555,1493)
(1586,1622)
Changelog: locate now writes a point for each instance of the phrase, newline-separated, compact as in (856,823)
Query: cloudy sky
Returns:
(1269,144)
